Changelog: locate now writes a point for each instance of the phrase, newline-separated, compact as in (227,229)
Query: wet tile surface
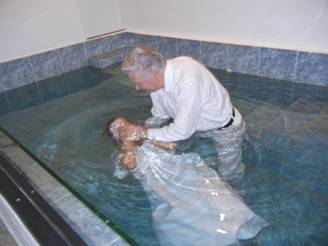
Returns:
(312,68)
(243,59)
(73,57)
(167,46)
(91,228)
(214,55)
(188,48)
(278,64)
(23,97)
(15,73)
(144,39)
(117,41)
(4,104)
(96,46)
(46,65)
(5,237)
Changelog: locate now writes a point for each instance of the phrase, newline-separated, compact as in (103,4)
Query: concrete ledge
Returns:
(90,227)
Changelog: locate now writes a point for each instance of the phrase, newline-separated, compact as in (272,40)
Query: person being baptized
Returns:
(191,204)
(128,135)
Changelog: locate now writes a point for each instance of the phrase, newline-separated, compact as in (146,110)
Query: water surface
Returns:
(284,153)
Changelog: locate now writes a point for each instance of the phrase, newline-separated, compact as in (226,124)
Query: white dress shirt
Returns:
(193,97)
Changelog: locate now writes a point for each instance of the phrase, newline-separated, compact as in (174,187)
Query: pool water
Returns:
(285,153)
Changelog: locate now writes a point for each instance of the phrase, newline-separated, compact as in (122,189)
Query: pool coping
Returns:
(82,219)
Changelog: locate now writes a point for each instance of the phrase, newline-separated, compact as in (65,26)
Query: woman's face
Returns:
(116,128)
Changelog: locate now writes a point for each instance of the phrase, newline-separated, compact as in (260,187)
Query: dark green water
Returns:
(285,153)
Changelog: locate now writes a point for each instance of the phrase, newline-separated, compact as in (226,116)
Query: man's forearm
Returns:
(154,121)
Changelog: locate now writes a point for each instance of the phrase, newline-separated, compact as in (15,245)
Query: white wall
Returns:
(33,26)
(289,24)
(100,16)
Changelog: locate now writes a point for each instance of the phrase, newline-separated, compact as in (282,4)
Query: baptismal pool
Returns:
(285,153)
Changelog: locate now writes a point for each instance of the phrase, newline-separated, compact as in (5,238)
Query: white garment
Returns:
(191,205)
(228,143)
(193,97)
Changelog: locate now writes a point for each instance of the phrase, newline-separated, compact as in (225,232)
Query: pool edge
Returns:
(80,218)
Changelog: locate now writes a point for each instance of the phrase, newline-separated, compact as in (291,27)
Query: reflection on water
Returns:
(284,151)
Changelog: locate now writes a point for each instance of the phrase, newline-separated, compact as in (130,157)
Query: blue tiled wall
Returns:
(279,64)
(243,59)
(50,88)
(214,54)
(308,68)
(188,48)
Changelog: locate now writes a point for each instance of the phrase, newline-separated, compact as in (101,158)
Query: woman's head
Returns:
(124,130)
(115,127)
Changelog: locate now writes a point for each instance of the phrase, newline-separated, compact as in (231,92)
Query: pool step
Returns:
(108,58)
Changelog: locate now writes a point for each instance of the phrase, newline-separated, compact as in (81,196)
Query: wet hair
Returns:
(110,122)
(143,58)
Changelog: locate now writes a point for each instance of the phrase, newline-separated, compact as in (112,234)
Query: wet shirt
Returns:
(193,97)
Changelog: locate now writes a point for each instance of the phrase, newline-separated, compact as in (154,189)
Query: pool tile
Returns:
(298,168)
(167,46)
(106,59)
(46,65)
(214,54)
(73,57)
(15,73)
(116,41)
(119,242)
(130,39)
(91,228)
(4,104)
(96,46)
(24,96)
(188,48)
(277,64)
(53,87)
(145,39)
(5,140)
(238,83)
(311,91)
(19,157)
(312,68)
(50,188)
(5,237)
(243,59)
(222,75)
(83,78)
(76,80)
(277,92)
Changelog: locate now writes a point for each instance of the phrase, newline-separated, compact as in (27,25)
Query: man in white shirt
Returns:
(184,90)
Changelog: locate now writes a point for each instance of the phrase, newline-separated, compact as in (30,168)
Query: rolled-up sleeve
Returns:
(188,114)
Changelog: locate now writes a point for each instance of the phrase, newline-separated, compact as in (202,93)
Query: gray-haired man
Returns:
(186,91)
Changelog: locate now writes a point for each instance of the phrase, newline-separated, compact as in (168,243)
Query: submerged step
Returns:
(108,58)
